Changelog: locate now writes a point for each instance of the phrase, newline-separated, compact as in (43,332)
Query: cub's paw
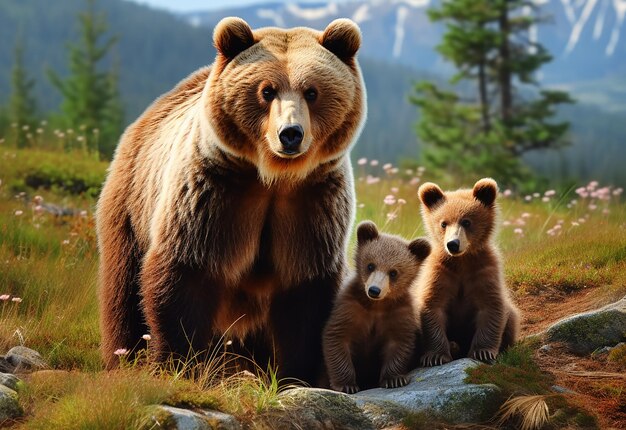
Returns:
(485,355)
(430,359)
(394,382)
(349,389)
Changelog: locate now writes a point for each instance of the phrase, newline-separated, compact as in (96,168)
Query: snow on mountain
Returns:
(582,35)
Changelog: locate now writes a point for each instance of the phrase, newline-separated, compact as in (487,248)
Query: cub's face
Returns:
(460,221)
(387,264)
(286,100)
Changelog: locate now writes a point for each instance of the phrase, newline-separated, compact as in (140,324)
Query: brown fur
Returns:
(463,297)
(370,342)
(206,230)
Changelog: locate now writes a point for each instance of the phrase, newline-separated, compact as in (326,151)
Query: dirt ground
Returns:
(597,384)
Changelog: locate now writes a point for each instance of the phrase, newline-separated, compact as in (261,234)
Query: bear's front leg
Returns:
(397,356)
(177,305)
(490,322)
(437,343)
(298,317)
(336,342)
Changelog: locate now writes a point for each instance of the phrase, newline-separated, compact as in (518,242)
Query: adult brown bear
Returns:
(228,204)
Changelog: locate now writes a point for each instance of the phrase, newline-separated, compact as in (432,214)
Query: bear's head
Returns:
(460,221)
(387,264)
(286,100)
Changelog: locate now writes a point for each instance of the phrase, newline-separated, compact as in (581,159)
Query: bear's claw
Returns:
(431,359)
(484,355)
(350,389)
(394,382)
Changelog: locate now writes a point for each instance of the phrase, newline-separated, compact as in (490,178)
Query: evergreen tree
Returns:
(487,41)
(91,101)
(22,105)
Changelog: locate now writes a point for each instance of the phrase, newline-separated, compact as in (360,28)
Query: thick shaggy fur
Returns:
(370,337)
(206,229)
(461,288)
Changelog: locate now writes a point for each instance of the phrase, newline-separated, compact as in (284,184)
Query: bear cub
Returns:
(464,303)
(370,338)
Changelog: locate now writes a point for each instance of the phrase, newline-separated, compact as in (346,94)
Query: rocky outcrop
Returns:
(586,332)
(9,406)
(439,392)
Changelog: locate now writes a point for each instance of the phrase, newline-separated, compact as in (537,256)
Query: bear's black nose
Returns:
(454,245)
(373,292)
(291,137)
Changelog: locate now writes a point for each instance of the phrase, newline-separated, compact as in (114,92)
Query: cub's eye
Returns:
(269,94)
(371,267)
(310,95)
(393,274)
(444,224)
(466,223)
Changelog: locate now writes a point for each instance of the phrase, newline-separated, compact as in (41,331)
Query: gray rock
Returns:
(586,332)
(25,359)
(9,406)
(439,391)
(221,421)
(9,380)
(316,408)
(5,366)
(546,348)
(185,419)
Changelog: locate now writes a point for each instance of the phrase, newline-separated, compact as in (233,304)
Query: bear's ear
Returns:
(485,191)
(431,195)
(232,36)
(342,37)
(420,248)
(366,231)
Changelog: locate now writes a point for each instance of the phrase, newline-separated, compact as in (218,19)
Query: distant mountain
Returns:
(583,35)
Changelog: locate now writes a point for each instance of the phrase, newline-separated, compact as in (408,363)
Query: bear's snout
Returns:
(373,292)
(290,137)
(454,246)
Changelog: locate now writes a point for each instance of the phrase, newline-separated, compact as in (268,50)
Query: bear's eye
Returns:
(269,94)
(310,95)
(444,224)
(393,274)
(466,223)
(371,267)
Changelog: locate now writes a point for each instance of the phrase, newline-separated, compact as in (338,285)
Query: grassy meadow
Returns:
(565,251)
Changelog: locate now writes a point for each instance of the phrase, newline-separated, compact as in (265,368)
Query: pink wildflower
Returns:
(18,212)
(146,337)
(518,231)
(362,161)
(391,216)
(5,297)
(374,163)
(16,300)
(120,352)
(390,200)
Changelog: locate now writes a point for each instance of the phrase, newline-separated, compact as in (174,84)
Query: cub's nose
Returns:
(291,137)
(373,292)
(453,246)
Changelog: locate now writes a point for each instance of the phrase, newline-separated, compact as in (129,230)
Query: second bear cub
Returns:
(462,295)
(370,337)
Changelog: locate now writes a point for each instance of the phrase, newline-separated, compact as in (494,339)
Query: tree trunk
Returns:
(504,71)
(484,102)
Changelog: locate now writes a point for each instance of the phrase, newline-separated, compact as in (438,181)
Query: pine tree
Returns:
(91,101)
(487,42)
(22,109)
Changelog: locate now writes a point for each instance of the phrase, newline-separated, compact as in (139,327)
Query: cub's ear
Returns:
(366,231)
(485,191)
(420,248)
(232,36)
(431,195)
(342,37)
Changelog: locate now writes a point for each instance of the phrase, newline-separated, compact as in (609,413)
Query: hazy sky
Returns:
(191,5)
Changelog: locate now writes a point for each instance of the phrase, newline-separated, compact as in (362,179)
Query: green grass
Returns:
(50,263)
